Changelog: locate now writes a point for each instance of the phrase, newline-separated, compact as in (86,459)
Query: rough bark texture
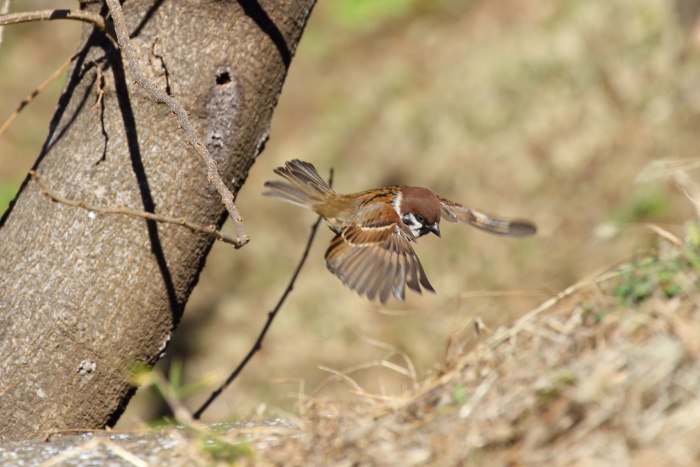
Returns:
(84,297)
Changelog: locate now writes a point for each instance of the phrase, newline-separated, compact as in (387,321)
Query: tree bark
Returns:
(84,297)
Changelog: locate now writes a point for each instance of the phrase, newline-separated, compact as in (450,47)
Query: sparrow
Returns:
(371,252)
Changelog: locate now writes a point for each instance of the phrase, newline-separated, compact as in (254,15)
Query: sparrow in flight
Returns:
(371,252)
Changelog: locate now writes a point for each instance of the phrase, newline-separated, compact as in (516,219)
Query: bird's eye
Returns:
(420,218)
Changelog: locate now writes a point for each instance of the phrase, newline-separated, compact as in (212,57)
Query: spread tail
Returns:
(302,185)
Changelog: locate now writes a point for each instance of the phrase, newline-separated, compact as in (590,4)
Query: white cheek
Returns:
(416,230)
(413,225)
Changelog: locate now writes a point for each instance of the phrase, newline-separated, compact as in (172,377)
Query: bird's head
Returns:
(419,209)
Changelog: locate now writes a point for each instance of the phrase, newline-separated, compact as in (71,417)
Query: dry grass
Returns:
(605,373)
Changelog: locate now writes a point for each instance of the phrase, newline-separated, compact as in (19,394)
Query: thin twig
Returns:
(3,11)
(46,15)
(99,88)
(134,213)
(160,97)
(344,375)
(270,317)
(33,95)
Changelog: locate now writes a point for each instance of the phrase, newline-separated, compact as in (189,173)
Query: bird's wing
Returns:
(453,212)
(376,259)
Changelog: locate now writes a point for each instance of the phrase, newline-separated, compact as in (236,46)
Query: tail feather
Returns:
(283,190)
(302,185)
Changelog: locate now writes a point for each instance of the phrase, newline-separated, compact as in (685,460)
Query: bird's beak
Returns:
(435,228)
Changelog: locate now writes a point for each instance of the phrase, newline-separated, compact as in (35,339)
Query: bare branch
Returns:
(270,316)
(35,93)
(160,97)
(3,11)
(211,230)
(46,15)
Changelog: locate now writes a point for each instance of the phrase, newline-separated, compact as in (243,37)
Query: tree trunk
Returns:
(83,298)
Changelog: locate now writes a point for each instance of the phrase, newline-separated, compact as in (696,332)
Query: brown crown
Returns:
(421,201)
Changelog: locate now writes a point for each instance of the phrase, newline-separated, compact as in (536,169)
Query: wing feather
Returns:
(453,212)
(376,261)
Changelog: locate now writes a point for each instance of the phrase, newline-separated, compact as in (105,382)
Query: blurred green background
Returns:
(546,110)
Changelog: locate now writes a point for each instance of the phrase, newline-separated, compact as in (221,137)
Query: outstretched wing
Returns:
(453,212)
(376,260)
